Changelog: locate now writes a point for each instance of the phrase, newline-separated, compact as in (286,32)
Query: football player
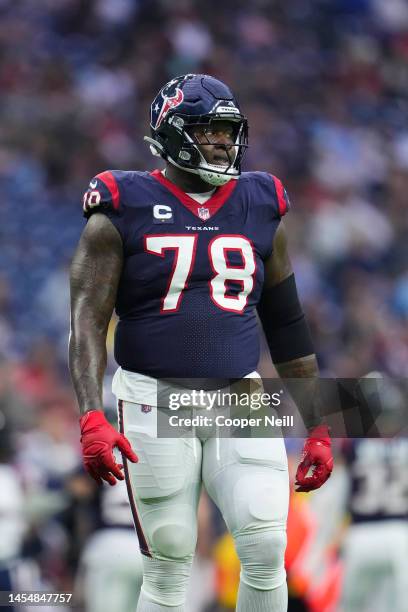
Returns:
(375,550)
(187,255)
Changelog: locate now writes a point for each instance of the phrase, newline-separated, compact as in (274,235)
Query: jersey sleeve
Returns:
(282,198)
(104,196)
(269,191)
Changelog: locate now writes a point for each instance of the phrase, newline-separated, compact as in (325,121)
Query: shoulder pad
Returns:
(281,196)
(271,189)
(103,194)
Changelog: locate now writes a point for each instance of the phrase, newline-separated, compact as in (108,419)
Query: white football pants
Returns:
(110,572)
(376,567)
(247,478)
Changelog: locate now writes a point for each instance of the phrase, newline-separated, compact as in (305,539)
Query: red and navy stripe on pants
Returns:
(144,548)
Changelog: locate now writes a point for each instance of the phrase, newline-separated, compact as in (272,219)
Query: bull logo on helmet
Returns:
(169,102)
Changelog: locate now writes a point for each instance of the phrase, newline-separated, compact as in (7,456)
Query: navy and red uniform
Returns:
(378,481)
(192,274)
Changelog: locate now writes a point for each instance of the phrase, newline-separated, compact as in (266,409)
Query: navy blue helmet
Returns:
(188,102)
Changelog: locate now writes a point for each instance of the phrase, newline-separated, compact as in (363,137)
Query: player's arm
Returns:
(94,277)
(293,355)
(284,322)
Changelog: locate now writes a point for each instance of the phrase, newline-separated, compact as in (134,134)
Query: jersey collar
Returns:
(209,208)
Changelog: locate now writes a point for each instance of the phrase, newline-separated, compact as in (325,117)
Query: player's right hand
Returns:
(98,439)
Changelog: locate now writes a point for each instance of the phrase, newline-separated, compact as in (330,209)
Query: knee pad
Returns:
(262,556)
(165,582)
(173,541)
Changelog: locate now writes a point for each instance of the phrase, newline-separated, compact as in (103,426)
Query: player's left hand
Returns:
(317,454)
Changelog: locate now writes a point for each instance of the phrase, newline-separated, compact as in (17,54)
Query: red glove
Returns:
(98,441)
(317,455)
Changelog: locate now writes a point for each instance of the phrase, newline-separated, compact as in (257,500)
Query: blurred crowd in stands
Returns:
(324,86)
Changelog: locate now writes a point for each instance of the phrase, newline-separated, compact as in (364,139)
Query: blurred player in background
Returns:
(12,523)
(19,571)
(375,550)
(375,547)
(110,570)
(187,255)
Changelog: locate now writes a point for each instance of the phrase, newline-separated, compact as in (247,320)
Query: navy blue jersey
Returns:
(192,274)
(379,482)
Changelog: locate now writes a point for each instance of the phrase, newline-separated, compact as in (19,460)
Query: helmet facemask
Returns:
(229,154)
(176,142)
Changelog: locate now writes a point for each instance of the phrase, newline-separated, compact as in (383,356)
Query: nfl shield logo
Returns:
(146,408)
(203,213)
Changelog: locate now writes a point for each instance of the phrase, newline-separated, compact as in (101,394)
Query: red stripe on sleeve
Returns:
(280,192)
(110,182)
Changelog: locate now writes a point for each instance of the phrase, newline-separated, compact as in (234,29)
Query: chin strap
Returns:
(212,177)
